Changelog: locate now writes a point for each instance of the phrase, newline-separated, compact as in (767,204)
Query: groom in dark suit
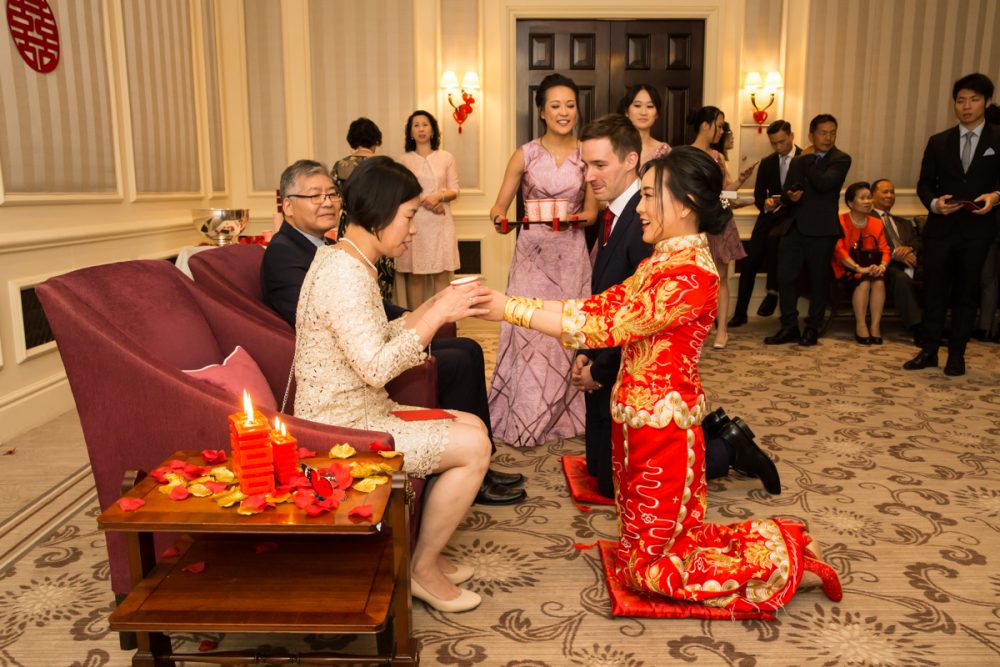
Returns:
(311,206)
(610,146)
(961,164)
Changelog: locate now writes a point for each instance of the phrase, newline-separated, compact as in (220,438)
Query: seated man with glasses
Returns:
(311,205)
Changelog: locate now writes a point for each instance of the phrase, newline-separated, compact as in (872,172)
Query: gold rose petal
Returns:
(202,479)
(277,499)
(366,485)
(390,455)
(165,489)
(175,478)
(343,451)
(223,474)
(248,511)
(199,490)
(379,480)
(382,469)
(231,498)
(360,470)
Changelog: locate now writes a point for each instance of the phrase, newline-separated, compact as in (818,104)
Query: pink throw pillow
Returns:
(237,372)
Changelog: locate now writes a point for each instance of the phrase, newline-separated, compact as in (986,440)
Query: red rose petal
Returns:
(299,481)
(179,493)
(256,502)
(379,446)
(192,469)
(316,509)
(194,568)
(130,504)
(216,487)
(342,473)
(361,511)
(306,453)
(208,645)
(303,499)
(213,455)
(170,552)
(584,547)
(176,464)
(160,475)
(8,452)
(264,547)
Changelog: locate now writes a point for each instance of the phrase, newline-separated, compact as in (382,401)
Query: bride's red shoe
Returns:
(831,582)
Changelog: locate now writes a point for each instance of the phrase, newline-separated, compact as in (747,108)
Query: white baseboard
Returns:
(34,405)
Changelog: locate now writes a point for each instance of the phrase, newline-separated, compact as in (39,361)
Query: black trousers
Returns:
(903,295)
(952,269)
(762,253)
(813,254)
(462,377)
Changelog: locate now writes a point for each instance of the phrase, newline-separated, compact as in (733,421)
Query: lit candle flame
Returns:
(248,407)
(277,423)
(284,431)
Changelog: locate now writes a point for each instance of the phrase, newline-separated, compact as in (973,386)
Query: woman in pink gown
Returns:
(643,105)
(531,398)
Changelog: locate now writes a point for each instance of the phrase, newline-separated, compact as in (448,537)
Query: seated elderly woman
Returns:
(859,262)
(346,351)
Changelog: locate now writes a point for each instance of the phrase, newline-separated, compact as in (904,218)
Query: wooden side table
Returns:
(328,574)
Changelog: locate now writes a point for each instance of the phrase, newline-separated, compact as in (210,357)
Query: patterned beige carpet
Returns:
(897,475)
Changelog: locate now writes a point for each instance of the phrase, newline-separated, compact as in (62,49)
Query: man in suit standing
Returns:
(311,206)
(960,165)
(610,147)
(812,192)
(905,244)
(772,223)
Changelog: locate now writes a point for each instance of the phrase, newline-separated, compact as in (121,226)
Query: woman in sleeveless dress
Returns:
(531,398)
(707,124)
(642,105)
(434,251)
(660,317)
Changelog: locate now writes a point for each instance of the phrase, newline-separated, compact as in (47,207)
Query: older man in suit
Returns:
(905,244)
(960,185)
(812,192)
(771,225)
(610,147)
(311,207)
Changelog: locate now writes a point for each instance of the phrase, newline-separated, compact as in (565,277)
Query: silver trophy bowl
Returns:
(221,225)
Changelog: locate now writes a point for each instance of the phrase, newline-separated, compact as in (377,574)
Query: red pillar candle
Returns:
(286,452)
(555,224)
(250,437)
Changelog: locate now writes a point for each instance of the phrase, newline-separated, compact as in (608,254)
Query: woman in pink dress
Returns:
(642,105)
(434,251)
(531,398)
(726,246)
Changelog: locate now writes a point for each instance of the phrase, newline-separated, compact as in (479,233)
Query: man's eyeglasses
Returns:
(318,198)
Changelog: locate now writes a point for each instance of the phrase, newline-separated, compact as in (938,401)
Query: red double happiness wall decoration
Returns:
(33,28)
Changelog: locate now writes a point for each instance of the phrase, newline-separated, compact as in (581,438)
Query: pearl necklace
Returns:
(363,255)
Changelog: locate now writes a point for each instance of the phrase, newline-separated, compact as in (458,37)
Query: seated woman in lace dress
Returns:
(346,351)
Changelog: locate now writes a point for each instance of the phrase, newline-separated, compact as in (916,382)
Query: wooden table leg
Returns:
(404,652)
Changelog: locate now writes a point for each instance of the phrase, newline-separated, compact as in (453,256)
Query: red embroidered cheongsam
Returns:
(660,318)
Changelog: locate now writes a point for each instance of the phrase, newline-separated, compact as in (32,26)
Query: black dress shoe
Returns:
(924,359)
(713,422)
(874,340)
(503,478)
(980,335)
(784,335)
(955,365)
(737,320)
(809,337)
(767,305)
(749,458)
(863,340)
(496,494)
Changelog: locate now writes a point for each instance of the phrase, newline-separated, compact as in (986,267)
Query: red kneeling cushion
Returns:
(582,485)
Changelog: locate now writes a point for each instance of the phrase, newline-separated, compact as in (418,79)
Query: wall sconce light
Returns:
(470,82)
(753,84)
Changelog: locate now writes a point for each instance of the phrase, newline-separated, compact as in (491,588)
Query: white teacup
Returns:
(546,209)
(532,209)
(560,208)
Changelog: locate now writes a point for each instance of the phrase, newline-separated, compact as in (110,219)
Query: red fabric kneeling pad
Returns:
(582,485)
(626,602)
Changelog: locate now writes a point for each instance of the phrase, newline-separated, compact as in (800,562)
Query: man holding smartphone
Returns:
(960,185)
(812,195)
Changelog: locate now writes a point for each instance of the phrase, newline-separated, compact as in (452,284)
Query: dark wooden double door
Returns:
(604,58)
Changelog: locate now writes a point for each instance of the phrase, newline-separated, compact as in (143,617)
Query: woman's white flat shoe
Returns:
(461,574)
(466,601)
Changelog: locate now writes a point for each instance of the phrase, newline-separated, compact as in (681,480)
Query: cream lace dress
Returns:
(346,352)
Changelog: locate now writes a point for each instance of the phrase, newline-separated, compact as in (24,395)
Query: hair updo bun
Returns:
(692,176)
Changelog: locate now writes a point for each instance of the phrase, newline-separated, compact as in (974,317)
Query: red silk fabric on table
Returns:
(660,318)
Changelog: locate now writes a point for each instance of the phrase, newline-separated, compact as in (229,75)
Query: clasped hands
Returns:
(905,254)
(580,374)
(434,202)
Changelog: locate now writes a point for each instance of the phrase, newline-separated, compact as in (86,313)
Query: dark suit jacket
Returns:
(615,262)
(816,213)
(941,174)
(283,270)
(908,234)
(768,184)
